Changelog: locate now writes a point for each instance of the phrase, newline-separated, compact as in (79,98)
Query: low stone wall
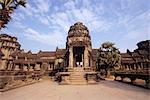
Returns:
(133,75)
(9,81)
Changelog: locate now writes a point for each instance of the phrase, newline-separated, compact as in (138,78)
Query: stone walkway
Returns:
(105,90)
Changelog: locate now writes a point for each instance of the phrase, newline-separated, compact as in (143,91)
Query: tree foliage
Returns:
(6,8)
(108,57)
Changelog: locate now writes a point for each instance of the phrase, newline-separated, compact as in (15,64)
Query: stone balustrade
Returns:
(14,79)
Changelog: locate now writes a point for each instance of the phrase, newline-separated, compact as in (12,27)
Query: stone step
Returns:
(76,79)
(78,83)
(78,69)
(76,75)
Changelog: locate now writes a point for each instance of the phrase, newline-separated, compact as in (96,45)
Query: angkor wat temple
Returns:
(77,53)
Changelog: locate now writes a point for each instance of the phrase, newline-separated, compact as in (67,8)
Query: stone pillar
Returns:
(2,67)
(135,66)
(52,66)
(49,67)
(123,67)
(25,68)
(45,66)
(71,57)
(127,67)
(86,58)
(31,68)
(142,66)
(17,67)
(11,66)
(8,66)
(82,60)
(91,62)
(138,65)
(37,67)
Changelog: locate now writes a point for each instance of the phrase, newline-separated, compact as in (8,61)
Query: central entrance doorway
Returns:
(78,55)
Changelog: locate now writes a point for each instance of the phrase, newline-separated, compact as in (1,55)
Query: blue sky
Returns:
(44,25)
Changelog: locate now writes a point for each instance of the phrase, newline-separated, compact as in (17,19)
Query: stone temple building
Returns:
(138,59)
(8,45)
(77,54)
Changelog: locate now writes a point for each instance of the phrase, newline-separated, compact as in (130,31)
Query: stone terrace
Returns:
(105,90)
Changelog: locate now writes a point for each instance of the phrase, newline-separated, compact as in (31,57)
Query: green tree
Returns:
(108,57)
(7,7)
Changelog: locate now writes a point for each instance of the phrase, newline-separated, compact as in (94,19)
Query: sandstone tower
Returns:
(79,46)
(8,45)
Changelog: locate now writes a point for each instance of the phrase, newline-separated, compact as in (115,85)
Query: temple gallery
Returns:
(77,55)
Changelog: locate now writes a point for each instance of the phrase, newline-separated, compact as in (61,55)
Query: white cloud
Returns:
(70,4)
(72,14)
(39,7)
(52,39)
(20,25)
(137,26)
(29,11)
(43,6)
(99,17)
(44,20)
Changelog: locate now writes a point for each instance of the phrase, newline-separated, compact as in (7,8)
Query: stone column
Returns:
(44,66)
(127,67)
(138,65)
(11,66)
(8,66)
(71,57)
(25,67)
(91,62)
(31,68)
(142,66)
(49,67)
(82,60)
(17,67)
(86,58)
(135,66)
(52,66)
(2,67)
(37,67)
(121,66)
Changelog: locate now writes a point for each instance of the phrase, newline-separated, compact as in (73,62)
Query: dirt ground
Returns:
(105,90)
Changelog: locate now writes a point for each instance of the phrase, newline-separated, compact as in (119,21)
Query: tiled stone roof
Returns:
(46,54)
(6,35)
(60,52)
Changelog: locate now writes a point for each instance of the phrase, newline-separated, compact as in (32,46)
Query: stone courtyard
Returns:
(105,90)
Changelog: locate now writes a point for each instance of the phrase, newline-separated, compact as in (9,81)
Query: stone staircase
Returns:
(77,77)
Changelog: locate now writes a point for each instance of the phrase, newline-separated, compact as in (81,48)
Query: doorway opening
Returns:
(78,54)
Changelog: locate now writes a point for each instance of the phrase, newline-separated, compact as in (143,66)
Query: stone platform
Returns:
(77,76)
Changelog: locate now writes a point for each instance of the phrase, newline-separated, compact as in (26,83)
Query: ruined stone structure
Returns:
(79,46)
(77,54)
(8,45)
(139,59)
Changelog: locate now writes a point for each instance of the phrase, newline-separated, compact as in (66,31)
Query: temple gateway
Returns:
(78,47)
(78,55)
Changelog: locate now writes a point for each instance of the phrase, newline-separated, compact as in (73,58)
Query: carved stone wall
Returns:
(8,44)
